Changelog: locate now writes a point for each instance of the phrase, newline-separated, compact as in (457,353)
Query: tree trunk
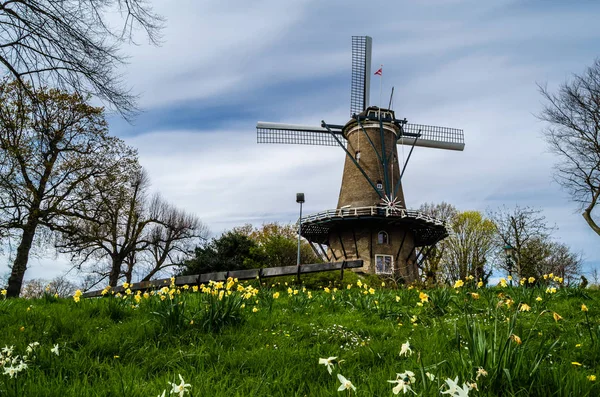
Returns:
(15,281)
(587,213)
(115,271)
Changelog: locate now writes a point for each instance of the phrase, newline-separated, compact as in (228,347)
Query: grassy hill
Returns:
(247,339)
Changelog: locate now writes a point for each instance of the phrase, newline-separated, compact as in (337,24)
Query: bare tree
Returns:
(574,135)
(59,286)
(431,267)
(52,145)
(519,228)
(171,239)
(119,215)
(73,45)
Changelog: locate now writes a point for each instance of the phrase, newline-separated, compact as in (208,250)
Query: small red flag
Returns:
(379,72)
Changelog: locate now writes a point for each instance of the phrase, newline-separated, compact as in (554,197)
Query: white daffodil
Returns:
(328,362)
(401,386)
(430,376)
(31,347)
(345,384)
(454,390)
(55,349)
(405,350)
(481,372)
(181,388)
(7,350)
(407,377)
(163,394)
(10,371)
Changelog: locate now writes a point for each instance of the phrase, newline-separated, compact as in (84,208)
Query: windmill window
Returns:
(357,155)
(382,238)
(384,264)
(379,185)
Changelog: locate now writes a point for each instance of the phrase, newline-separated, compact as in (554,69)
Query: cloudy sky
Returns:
(468,64)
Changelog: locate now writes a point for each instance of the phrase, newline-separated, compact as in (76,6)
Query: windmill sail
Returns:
(431,136)
(361,73)
(295,134)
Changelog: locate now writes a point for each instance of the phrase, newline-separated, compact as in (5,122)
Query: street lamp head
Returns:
(509,250)
(299,197)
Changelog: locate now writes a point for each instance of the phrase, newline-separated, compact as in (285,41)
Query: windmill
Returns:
(371,221)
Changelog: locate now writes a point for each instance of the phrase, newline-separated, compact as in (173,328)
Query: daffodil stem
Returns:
(587,319)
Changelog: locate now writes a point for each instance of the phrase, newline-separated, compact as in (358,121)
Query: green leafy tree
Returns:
(279,242)
(231,251)
(469,246)
(53,145)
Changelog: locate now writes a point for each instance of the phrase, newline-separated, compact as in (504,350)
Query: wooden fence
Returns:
(249,274)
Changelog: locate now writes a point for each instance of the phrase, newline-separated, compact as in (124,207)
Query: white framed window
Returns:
(384,264)
(382,238)
(357,156)
(379,185)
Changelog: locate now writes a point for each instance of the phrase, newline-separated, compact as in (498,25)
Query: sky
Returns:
(474,65)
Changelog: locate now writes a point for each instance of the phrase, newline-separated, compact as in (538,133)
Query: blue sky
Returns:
(458,63)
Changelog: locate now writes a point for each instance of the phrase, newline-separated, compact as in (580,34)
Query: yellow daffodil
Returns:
(539,299)
(254,309)
(480,284)
(531,280)
(524,307)
(584,308)
(125,285)
(578,345)
(276,295)
(359,284)
(575,363)
(474,295)
(522,281)
(510,278)
(423,297)
(502,283)
(371,291)
(516,339)
(556,316)
(591,378)
(397,298)
(459,283)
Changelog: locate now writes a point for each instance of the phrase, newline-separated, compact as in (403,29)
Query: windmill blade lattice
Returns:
(295,134)
(361,73)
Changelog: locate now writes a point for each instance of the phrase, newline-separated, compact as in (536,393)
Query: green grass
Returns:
(238,347)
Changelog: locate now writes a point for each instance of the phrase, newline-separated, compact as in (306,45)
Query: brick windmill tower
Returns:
(371,221)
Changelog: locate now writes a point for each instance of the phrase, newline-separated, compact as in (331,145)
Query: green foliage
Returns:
(231,251)
(246,247)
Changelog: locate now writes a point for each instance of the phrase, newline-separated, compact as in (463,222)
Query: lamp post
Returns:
(509,251)
(299,199)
